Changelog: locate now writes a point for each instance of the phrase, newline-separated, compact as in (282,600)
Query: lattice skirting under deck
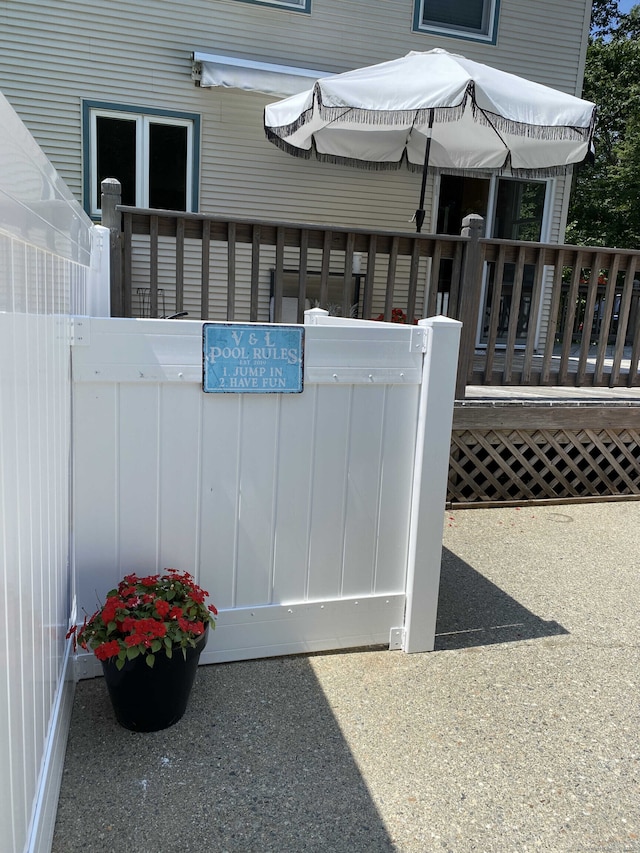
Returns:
(534,454)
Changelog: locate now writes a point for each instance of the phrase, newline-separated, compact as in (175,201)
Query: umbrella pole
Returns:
(420,214)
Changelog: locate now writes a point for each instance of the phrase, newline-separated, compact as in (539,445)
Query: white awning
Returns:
(216,70)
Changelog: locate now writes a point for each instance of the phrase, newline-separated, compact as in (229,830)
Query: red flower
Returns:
(128,624)
(159,629)
(107,650)
(397,316)
(141,611)
(162,608)
(110,609)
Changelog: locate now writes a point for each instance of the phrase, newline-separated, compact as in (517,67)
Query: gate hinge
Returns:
(419,340)
(80,331)
(396,639)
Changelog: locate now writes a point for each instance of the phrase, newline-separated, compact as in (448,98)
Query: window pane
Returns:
(460,196)
(468,14)
(168,166)
(116,155)
(519,210)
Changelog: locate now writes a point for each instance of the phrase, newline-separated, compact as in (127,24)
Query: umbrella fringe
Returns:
(532,131)
(283,145)
(506,169)
(368,165)
(394,165)
(548,172)
(390,118)
(283,130)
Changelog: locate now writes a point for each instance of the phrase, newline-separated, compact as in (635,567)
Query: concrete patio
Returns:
(519,733)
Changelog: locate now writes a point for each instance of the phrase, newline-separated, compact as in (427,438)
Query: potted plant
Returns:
(148,636)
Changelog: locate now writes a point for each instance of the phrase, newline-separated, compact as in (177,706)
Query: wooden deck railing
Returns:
(532,313)
(589,297)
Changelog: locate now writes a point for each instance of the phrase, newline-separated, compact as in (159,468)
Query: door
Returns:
(513,209)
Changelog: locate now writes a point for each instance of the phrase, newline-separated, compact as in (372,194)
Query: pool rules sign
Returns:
(252,358)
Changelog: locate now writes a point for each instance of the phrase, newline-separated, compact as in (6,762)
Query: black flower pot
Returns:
(147,699)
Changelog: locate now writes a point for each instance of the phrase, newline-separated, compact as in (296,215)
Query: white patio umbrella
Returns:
(439,110)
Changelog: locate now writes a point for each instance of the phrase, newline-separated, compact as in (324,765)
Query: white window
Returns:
(153,155)
(470,19)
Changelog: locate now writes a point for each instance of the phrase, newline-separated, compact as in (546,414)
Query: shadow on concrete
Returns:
(472,611)
(258,762)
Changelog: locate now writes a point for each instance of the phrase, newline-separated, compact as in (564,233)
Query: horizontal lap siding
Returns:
(142,57)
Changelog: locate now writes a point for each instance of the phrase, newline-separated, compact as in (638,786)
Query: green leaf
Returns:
(156,645)
(133,652)
(150,660)
(119,663)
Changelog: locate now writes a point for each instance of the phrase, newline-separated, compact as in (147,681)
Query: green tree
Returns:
(604,208)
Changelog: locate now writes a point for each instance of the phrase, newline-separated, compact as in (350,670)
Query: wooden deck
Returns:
(590,374)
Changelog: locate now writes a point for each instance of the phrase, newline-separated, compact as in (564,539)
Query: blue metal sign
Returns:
(252,358)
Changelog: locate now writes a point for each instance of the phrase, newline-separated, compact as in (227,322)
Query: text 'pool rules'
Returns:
(252,358)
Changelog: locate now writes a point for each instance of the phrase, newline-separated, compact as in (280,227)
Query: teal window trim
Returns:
(89,106)
(490,37)
(284,5)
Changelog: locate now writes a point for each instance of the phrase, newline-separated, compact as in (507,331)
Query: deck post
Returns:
(112,219)
(470,293)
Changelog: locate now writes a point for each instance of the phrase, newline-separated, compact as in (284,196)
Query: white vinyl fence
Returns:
(314,519)
(49,269)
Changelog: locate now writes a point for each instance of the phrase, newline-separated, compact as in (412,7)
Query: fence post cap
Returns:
(111,186)
(441,321)
(311,314)
(472,218)
(472,225)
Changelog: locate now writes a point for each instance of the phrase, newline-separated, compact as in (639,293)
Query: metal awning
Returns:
(212,69)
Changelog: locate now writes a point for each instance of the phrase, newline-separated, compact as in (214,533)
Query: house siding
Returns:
(52,58)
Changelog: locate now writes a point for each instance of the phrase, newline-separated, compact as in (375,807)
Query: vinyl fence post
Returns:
(112,219)
(433,447)
(98,296)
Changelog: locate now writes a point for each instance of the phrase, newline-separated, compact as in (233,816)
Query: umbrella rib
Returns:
(495,130)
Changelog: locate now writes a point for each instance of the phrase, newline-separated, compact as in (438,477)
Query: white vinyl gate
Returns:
(314,520)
